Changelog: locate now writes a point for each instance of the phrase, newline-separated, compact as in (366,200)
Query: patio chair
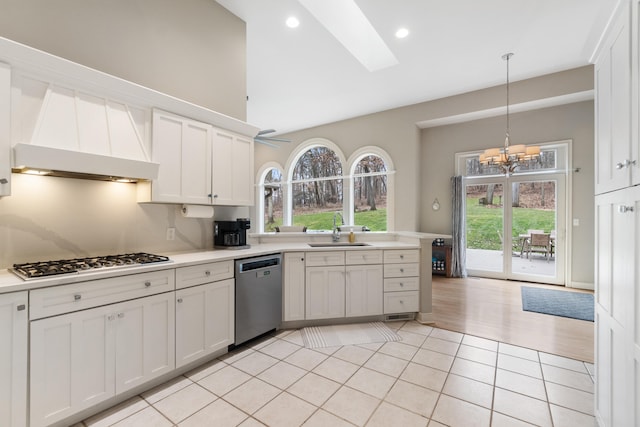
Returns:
(540,243)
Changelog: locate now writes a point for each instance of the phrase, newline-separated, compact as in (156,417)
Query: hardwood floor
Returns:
(492,309)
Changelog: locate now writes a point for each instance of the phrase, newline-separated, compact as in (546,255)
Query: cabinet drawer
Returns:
(401,284)
(401,270)
(363,257)
(319,259)
(79,296)
(401,302)
(396,256)
(203,273)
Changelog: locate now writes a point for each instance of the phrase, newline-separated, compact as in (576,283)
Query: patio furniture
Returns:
(540,243)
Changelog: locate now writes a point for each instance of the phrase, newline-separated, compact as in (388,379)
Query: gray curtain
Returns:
(459,238)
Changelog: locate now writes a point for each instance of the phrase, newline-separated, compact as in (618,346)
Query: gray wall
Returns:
(424,159)
(192,49)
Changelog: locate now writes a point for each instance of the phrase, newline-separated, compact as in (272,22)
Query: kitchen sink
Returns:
(336,244)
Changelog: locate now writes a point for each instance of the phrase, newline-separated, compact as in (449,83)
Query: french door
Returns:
(502,214)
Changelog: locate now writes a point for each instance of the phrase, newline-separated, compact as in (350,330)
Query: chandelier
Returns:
(509,157)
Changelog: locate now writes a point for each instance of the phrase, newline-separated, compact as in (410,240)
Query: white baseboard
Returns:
(425,318)
(581,285)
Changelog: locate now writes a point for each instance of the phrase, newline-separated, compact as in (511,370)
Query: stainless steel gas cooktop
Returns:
(41,269)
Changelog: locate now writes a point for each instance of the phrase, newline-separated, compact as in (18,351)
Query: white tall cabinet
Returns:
(14,323)
(617,175)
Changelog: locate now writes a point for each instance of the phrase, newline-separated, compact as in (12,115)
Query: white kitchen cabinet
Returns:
(293,286)
(401,281)
(324,292)
(14,323)
(5,130)
(232,175)
(82,358)
(617,308)
(182,147)
(615,161)
(364,290)
(204,320)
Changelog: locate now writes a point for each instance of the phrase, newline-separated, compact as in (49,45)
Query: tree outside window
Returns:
(273,198)
(370,193)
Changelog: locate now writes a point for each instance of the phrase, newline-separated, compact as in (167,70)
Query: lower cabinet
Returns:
(364,288)
(14,324)
(204,320)
(324,292)
(80,359)
(293,286)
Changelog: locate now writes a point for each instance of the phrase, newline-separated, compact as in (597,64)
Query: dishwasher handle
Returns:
(256,264)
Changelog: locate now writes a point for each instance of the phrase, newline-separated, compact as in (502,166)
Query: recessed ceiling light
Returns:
(402,33)
(292,22)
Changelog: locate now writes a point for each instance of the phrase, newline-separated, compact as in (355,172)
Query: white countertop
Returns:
(9,282)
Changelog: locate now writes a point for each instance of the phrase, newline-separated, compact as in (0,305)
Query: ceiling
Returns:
(303,77)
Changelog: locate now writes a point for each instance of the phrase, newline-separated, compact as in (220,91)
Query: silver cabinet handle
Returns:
(627,163)
(207,273)
(111,317)
(21,307)
(625,209)
(4,181)
(179,299)
(147,284)
(77,297)
(402,270)
(120,315)
(401,256)
(401,284)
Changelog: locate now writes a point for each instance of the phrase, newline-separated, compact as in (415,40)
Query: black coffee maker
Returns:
(231,234)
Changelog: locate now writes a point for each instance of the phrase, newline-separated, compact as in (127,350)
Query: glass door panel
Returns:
(484,215)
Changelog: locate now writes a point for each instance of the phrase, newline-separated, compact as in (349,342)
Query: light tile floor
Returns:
(433,377)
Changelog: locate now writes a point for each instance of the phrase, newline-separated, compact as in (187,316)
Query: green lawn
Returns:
(375,220)
(484,222)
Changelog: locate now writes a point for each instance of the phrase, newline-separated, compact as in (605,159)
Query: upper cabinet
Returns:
(616,151)
(199,164)
(5,130)
(232,177)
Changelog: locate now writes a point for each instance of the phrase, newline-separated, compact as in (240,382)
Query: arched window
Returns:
(270,198)
(314,187)
(317,191)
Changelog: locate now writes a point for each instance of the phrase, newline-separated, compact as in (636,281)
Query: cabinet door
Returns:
(294,286)
(324,292)
(72,364)
(232,174)
(204,320)
(617,304)
(364,290)
(13,359)
(613,107)
(5,130)
(182,147)
(144,340)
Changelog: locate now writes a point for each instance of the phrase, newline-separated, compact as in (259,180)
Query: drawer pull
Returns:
(120,315)
(179,299)
(77,297)
(111,317)
(21,307)
(147,284)
(401,256)
(402,270)
(207,273)
(401,284)
(401,302)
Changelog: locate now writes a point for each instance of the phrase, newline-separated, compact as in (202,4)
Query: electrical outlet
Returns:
(171,233)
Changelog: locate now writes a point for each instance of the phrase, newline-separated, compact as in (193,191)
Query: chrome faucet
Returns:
(336,232)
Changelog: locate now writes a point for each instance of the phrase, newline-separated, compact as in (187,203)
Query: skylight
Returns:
(347,23)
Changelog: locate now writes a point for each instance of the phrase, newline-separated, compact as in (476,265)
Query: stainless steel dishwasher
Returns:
(258,296)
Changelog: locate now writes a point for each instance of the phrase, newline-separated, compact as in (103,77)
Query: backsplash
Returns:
(49,218)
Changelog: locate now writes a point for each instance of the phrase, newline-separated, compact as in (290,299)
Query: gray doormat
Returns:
(576,305)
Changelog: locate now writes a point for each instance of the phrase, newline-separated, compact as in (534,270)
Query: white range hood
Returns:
(65,130)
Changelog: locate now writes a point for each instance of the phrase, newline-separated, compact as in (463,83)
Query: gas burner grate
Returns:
(41,269)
